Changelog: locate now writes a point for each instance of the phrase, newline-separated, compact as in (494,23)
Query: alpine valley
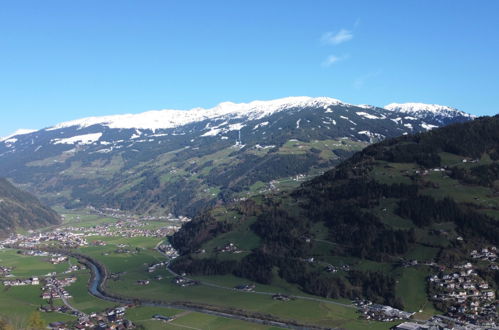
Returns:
(179,162)
(296,213)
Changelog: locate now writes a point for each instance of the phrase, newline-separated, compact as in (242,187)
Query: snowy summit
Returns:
(161,119)
(418,108)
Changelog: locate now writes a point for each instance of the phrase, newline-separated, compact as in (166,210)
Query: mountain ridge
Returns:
(149,119)
(201,158)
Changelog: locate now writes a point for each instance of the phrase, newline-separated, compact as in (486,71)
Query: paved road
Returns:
(258,292)
(96,290)
(65,301)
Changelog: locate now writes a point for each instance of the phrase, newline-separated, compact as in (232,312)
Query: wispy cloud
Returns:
(336,38)
(332,59)
(361,81)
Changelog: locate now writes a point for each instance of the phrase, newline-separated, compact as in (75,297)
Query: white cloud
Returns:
(336,38)
(361,81)
(332,59)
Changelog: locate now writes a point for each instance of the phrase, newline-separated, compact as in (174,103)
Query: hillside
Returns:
(376,226)
(182,161)
(21,210)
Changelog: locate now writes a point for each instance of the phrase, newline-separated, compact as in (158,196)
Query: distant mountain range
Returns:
(182,161)
(21,210)
(376,226)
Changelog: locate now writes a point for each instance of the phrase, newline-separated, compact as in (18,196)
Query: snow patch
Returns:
(428,126)
(79,139)
(136,135)
(368,115)
(236,127)
(212,132)
(408,125)
(265,123)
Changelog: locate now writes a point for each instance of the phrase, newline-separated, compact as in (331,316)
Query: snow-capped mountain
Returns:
(423,110)
(169,118)
(20,131)
(175,160)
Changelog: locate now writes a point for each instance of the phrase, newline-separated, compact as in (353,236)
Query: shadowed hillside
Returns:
(19,209)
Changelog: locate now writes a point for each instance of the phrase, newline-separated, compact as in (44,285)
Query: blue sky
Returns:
(63,60)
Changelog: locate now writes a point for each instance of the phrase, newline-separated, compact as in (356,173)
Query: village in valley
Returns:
(54,287)
(469,300)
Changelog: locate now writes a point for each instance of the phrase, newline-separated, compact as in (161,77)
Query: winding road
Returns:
(257,292)
(97,280)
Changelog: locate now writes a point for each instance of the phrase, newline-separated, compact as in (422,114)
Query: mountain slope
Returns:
(356,230)
(181,161)
(19,209)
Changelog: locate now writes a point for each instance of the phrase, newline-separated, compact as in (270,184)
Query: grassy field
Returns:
(17,303)
(411,287)
(143,316)
(85,220)
(27,266)
(320,313)
(134,267)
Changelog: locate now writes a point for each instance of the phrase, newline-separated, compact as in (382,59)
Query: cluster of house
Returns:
(379,312)
(20,282)
(281,297)
(64,238)
(468,296)
(229,247)
(53,258)
(98,243)
(58,259)
(55,288)
(436,322)
(153,267)
(74,268)
(183,281)
(485,254)
(110,319)
(299,177)
(117,276)
(163,318)
(124,228)
(36,253)
(168,250)
(334,269)
(50,308)
(426,172)
(245,287)
(5,271)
